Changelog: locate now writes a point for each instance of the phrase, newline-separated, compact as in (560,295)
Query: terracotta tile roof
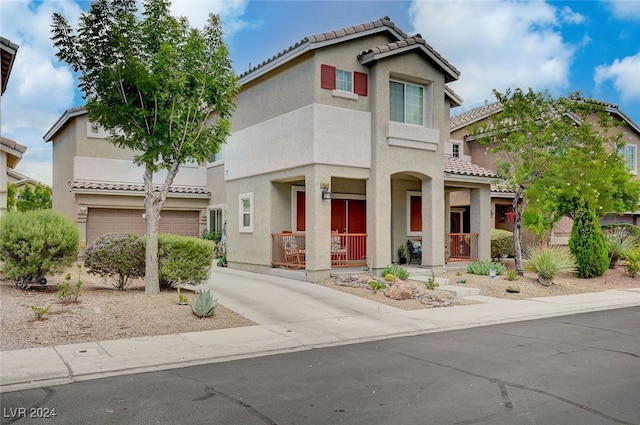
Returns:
(137,188)
(465,168)
(408,42)
(386,21)
(473,115)
(322,39)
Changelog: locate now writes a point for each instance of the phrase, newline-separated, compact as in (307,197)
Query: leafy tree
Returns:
(587,244)
(37,199)
(161,88)
(546,145)
(12,192)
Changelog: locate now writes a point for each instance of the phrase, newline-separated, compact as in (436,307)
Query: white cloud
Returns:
(498,44)
(625,9)
(197,11)
(624,75)
(40,88)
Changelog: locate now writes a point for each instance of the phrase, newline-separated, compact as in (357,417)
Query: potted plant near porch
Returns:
(402,255)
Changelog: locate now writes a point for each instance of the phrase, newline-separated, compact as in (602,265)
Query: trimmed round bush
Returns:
(501,244)
(116,254)
(36,243)
(183,259)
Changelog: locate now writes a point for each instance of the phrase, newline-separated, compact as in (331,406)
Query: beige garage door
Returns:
(106,220)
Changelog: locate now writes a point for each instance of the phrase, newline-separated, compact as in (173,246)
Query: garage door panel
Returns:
(105,220)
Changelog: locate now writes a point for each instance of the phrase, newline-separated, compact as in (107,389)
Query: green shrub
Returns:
(632,262)
(396,270)
(511,275)
(483,267)
(69,294)
(501,244)
(40,311)
(116,254)
(183,259)
(204,305)
(376,286)
(548,262)
(36,243)
(587,244)
(619,243)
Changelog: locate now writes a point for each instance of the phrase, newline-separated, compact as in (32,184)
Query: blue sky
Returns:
(589,46)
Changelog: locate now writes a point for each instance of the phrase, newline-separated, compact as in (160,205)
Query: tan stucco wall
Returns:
(64,149)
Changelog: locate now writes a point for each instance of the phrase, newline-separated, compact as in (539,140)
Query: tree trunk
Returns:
(517,231)
(152,219)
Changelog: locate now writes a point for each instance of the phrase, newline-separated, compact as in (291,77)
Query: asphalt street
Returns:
(580,369)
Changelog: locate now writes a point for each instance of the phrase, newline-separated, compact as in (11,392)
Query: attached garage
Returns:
(109,220)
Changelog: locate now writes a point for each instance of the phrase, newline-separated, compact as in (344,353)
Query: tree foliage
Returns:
(161,88)
(38,198)
(556,153)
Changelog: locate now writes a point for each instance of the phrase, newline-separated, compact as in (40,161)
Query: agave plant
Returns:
(619,244)
(548,262)
(204,305)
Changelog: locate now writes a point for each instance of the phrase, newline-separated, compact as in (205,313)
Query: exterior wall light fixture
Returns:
(326,193)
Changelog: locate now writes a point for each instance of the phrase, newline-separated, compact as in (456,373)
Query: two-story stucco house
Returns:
(336,158)
(501,200)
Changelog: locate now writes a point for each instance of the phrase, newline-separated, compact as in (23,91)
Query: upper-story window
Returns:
(217,157)
(455,150)
(343,80)
(406,103)
(630,156)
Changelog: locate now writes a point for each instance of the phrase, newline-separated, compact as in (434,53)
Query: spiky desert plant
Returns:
(619,244)
(204,305)
(548,262)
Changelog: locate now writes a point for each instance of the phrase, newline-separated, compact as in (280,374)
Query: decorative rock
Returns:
(399,292)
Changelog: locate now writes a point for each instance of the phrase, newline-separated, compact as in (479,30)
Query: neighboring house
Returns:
(10,151)
(501,199)
(98,186)
(337,158)
(20,181)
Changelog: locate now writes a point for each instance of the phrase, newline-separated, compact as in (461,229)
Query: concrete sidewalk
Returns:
(291,316)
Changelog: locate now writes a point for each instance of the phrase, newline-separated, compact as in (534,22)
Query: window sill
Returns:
(344,94)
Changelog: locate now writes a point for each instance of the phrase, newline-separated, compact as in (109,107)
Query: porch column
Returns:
(379,249)
(433,226)
(318,227)
(447,212)
(480,212)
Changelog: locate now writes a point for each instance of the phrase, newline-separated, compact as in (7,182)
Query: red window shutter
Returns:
(416,214)
(328,77)
(301,209)
(360,83)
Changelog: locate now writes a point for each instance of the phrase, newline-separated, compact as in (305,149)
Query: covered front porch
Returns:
(347,249)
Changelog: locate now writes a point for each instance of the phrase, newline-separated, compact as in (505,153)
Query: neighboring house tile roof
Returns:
(20,179)
(465,168)
(85,186)
(473,115)
(464,119)
(14,151)
(403,41)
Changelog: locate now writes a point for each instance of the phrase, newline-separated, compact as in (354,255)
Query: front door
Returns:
(350,216)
